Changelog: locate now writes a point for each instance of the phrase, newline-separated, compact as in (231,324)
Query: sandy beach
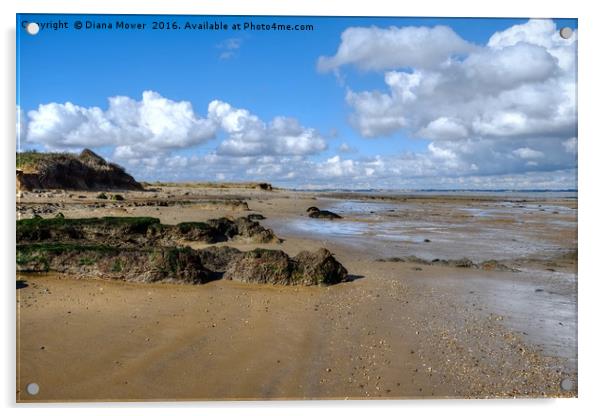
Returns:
(404,325)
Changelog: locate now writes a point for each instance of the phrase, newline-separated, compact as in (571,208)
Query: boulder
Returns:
(261,266)
(317,268)
(276,267)
(324,215)
(253,231)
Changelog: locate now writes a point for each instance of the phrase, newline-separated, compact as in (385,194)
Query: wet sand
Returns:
(397,330)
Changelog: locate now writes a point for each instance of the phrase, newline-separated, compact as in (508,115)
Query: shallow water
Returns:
(400,230)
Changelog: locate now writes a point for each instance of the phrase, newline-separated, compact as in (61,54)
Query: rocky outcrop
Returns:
(139,231)
(181,265)
(88,171)
(173,264)
(276,267)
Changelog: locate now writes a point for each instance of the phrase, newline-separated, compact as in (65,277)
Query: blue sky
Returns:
(263,75)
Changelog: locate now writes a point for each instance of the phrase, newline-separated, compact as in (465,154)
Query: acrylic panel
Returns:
(289,207)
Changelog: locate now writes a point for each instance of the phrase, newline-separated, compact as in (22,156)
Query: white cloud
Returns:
(135,127)
(250,136)
(229,48)
(346,148)
(528,153)
(373,48)
(570,145)
(444,128)
(488,109)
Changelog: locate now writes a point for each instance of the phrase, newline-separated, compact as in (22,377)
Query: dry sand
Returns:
(396,330)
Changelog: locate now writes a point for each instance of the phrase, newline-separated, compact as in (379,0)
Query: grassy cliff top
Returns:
(32,160)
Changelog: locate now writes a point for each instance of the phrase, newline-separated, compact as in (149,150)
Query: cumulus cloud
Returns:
(373,48)
(248,135)
(507,106)
(148,131)
(134,127)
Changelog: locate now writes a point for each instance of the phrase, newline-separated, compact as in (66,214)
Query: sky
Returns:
(349,103)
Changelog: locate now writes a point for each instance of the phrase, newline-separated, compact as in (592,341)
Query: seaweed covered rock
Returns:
(139,231)
(261,266)
(254,231)
(108,230)
(171,264)
(193,231)
(216,259)
(276,267)
(319,267)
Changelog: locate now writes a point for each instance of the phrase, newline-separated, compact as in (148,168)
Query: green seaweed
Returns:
(186,227)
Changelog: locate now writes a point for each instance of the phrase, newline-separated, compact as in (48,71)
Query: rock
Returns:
(324,215)
(255,232)
(255,217)
(463,262)
(171,264)
(276,267)
(494,265)
(216,259)
(319,267)
(312,209)
(261,266)
(140,231)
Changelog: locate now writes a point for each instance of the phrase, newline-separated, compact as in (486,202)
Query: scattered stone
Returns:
(488,265)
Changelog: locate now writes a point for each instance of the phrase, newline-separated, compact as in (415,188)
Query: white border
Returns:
(589,173)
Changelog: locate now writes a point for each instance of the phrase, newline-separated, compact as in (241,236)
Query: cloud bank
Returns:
(506,107)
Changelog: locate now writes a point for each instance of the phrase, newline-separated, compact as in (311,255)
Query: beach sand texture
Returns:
(396,329)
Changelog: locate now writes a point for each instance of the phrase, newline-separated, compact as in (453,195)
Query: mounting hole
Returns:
(32,28)
(567,384)
(33,388)
(566,32)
